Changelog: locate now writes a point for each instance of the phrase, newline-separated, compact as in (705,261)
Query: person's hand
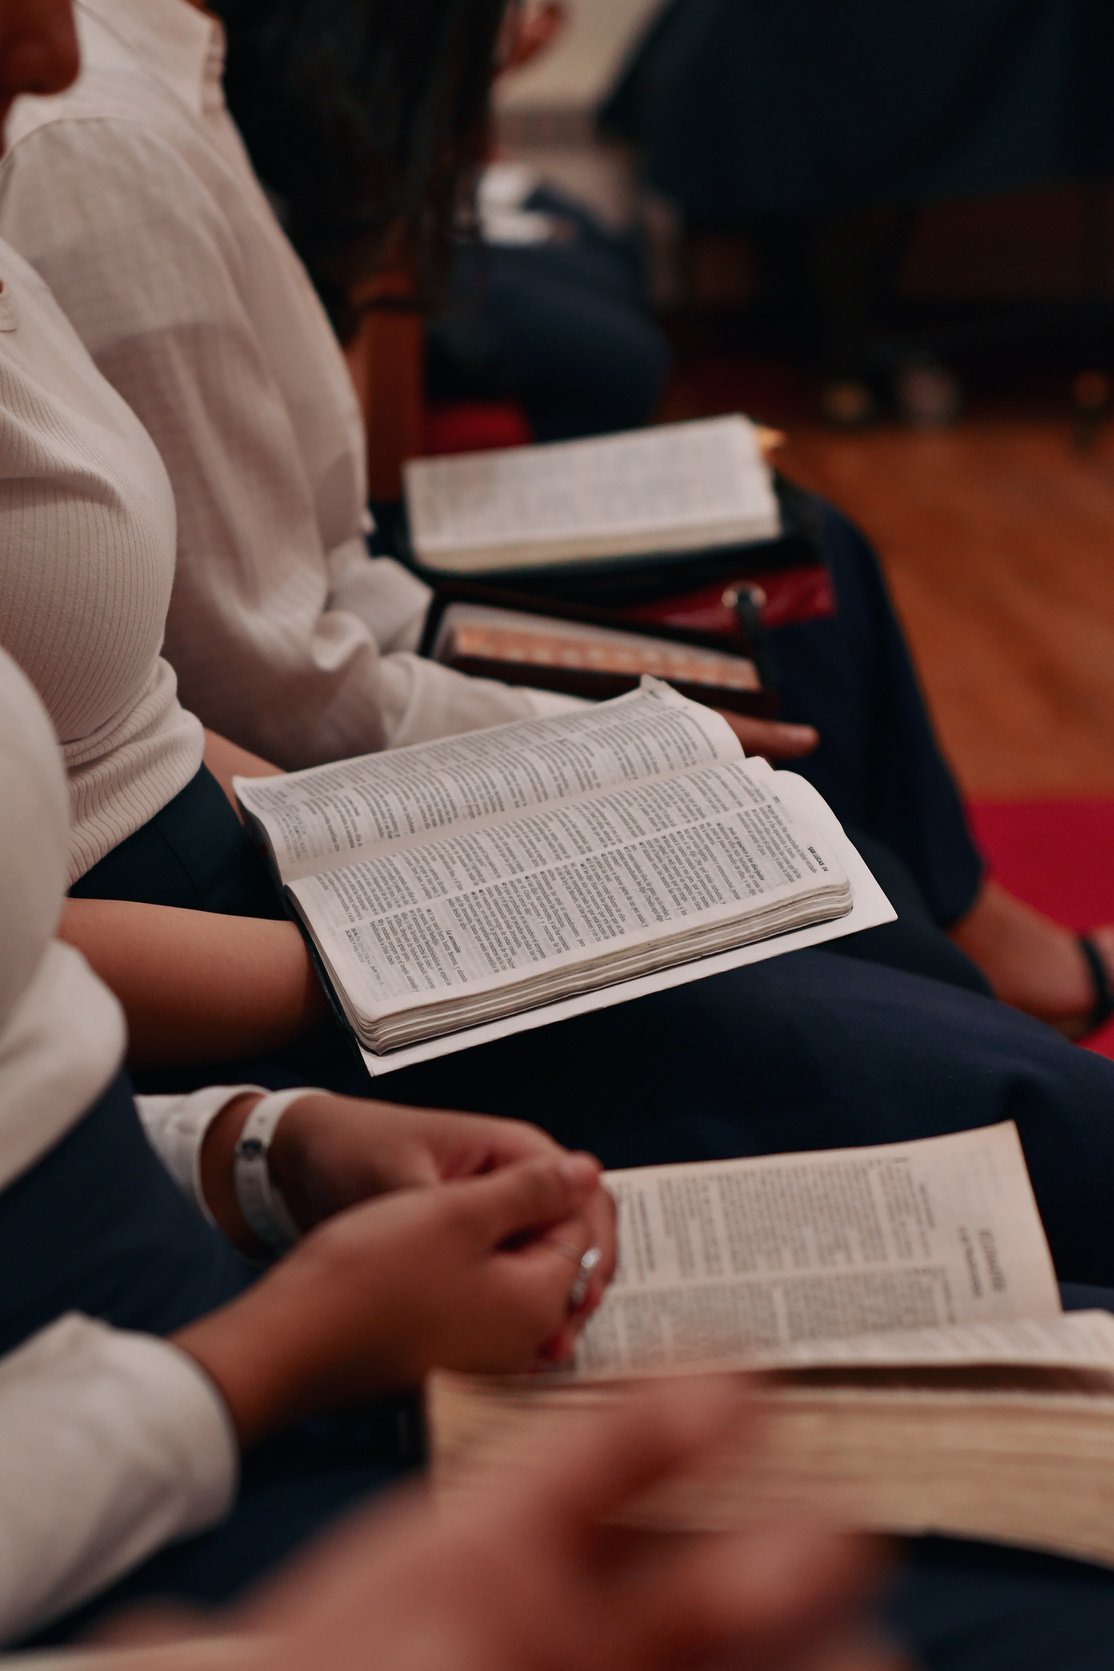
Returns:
(527,1572)
(329,1153)
(472,1275)
(526,35)
(771,738)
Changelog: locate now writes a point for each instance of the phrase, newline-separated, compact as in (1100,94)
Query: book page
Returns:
(327,816)
(1072,1341)
(869,909)
(677,487)
(608,873)
(758,1256)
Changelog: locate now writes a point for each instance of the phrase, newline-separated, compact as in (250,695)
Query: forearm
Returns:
(227,760)
(271,1352)
(196,986)
(317,689)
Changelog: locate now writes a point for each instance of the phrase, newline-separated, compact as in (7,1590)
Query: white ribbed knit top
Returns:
(165,254)
(86,563)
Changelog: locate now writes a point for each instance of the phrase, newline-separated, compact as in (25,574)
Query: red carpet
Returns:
(1058,855)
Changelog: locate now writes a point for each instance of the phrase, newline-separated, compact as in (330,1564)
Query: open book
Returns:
(458,890)
(691,487)
(902,1303)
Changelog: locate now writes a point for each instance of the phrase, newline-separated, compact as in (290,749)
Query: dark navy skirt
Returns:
(806,1051)
(98,1225)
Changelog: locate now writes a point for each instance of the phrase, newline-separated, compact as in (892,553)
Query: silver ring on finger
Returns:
(581,1282)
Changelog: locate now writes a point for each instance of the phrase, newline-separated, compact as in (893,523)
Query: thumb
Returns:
(778,741)
(523,1200)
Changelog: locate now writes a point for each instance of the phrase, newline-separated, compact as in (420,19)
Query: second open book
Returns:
(902,1300)
(462,889)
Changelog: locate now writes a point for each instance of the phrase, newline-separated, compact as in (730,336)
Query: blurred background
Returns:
(889,231)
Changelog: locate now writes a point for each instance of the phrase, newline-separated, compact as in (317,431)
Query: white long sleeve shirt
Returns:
(112,1444)
(133,196)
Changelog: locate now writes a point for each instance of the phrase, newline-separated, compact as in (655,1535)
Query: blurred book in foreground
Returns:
(901,1308)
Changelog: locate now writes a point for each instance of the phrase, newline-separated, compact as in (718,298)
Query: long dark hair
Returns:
(367,119)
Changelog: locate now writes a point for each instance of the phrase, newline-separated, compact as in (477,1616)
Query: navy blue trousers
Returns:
(879,764)
(890,1036)
(811,1050)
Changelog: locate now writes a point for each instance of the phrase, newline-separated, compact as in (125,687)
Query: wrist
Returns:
(291,1157)
(286,1348)
(261,1201)
(253,1352)
(217,1170)
(242,1190)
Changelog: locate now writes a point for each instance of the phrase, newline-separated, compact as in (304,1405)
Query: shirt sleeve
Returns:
(112,1445)
(147,266)
(176,1127)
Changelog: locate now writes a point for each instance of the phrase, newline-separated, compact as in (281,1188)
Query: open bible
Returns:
(457,890)
(674,490)
(901,1306)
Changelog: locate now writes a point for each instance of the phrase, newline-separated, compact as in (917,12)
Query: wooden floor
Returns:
(998,539)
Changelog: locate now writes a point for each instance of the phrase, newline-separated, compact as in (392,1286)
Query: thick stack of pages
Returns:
(589,659)
(487,879)
(901,1305)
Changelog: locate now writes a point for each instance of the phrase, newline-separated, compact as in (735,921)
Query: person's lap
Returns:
(809,1050)
(879,763)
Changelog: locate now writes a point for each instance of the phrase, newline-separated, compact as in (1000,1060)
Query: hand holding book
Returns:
(901,1300)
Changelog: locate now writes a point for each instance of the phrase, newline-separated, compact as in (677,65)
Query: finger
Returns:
(512,1140)
(773,739)
(471,1145)
(527,1199)
(543,1280)
(866,1650)
(601,1217)
(778,1591)
(559,1349)
(769,440)
(151,1625)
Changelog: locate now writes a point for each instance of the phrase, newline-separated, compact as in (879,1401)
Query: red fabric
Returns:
(475,427)
(1058,856)
(792,595)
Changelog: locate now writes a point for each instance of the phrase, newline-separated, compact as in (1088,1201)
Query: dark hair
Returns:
(367,120)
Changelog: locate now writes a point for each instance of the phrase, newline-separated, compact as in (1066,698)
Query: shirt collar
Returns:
(182,46)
